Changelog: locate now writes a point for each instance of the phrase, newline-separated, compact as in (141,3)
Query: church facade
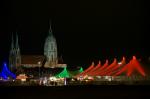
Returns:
(48,60)
(50,50)
(14,55)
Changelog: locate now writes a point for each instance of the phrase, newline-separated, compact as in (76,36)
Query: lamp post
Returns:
(39,68)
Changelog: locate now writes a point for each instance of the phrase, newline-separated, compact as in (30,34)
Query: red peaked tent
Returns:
(101,68)
(104,72)
(94,69)
(131,67)
(115,68)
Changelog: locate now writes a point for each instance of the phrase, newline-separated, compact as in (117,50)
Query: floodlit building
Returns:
(50,51)
(14,55)
(48,60)
(32,60)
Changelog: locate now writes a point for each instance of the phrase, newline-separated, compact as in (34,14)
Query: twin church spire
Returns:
(15,55)
(12,42)
(16,45)
(50,51)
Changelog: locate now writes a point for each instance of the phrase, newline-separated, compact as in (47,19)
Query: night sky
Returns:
(85,30)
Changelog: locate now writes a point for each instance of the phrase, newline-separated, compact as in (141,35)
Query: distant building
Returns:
(14,55)
(50,51)
(32,60)
(48,60)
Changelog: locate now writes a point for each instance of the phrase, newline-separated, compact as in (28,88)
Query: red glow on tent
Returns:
(115,68)
(94,69)
(104,72)
(131,67)
(105,65)
(100,69)
(138,67)
(122,70)
(123,59)
(134,58)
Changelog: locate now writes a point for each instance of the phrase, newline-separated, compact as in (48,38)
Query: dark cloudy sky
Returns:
(85,30)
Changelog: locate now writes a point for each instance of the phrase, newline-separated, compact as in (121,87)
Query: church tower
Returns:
(50,50)
(14,55)
(18,54)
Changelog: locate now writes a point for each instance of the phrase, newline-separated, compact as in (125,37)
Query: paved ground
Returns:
(77,92)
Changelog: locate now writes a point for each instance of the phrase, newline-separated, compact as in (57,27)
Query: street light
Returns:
(39,68)
(119,63)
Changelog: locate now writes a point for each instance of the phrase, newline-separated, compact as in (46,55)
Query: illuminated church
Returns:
(48,60)
(14,55)
(50,51)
